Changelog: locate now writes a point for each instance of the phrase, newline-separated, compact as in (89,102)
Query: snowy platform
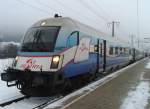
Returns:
(128,88)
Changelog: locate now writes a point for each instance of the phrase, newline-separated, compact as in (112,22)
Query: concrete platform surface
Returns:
(129,90)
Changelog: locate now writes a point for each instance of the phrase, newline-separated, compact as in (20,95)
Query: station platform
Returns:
(129,90)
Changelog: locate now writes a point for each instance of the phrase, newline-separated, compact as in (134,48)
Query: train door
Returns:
(104,55)
(101,55)
(134,52)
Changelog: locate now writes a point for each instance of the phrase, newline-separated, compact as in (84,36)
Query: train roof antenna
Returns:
(56,16)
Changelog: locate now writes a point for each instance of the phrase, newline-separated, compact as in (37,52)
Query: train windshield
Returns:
(40,39)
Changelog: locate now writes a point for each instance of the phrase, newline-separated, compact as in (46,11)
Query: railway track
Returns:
(41,106)
(12,101)
(25,99)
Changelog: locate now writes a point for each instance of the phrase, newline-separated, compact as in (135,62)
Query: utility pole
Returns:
(113,27)
(132,41)
(138,43)
(138,23)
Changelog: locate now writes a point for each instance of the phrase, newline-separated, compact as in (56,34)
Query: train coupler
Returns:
(10,85)
(9,76)
(20,85)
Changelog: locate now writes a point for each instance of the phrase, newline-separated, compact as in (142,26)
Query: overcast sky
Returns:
(17,15)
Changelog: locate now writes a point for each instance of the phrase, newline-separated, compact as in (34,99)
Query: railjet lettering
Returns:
(31,64)
(83,47)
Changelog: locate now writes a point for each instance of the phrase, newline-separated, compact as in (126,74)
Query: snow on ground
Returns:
(27,103)
(7,92)
(148,65)
(4,63)
(138,98)
(6,43)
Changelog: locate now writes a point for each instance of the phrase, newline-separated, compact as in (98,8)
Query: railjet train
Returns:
(60,52)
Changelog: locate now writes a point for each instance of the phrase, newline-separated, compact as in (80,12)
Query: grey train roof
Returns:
(68,22)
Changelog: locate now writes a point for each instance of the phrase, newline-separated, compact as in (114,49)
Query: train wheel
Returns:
(66,87)
(92,76)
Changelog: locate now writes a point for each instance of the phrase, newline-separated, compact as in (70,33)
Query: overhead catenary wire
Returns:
(95,12)
(106,13)
(57,3)
(47,6)
(71,10)
(85,4)
(78,13)
(42,10)
(138,23)
(32,6)
(94,2)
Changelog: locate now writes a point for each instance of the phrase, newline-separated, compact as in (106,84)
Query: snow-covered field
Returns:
(5,92)
(4,63)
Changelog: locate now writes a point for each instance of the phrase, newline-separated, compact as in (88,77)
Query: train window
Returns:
(116,50)
(41,39)
(120,49)
(110,50)
(94,41)
(124,49)
(130,51)
(73,39)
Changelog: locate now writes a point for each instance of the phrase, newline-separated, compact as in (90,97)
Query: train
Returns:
(60,52)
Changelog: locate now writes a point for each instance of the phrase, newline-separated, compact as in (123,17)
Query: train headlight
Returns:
(55,62)
(56,59)
(15,61)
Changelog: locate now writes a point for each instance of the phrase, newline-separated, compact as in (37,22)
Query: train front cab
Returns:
(37,65)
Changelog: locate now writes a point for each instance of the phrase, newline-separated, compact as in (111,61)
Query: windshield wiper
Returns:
(38,39)
(25,48)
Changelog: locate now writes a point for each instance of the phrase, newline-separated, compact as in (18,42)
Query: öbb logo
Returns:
(31,64)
